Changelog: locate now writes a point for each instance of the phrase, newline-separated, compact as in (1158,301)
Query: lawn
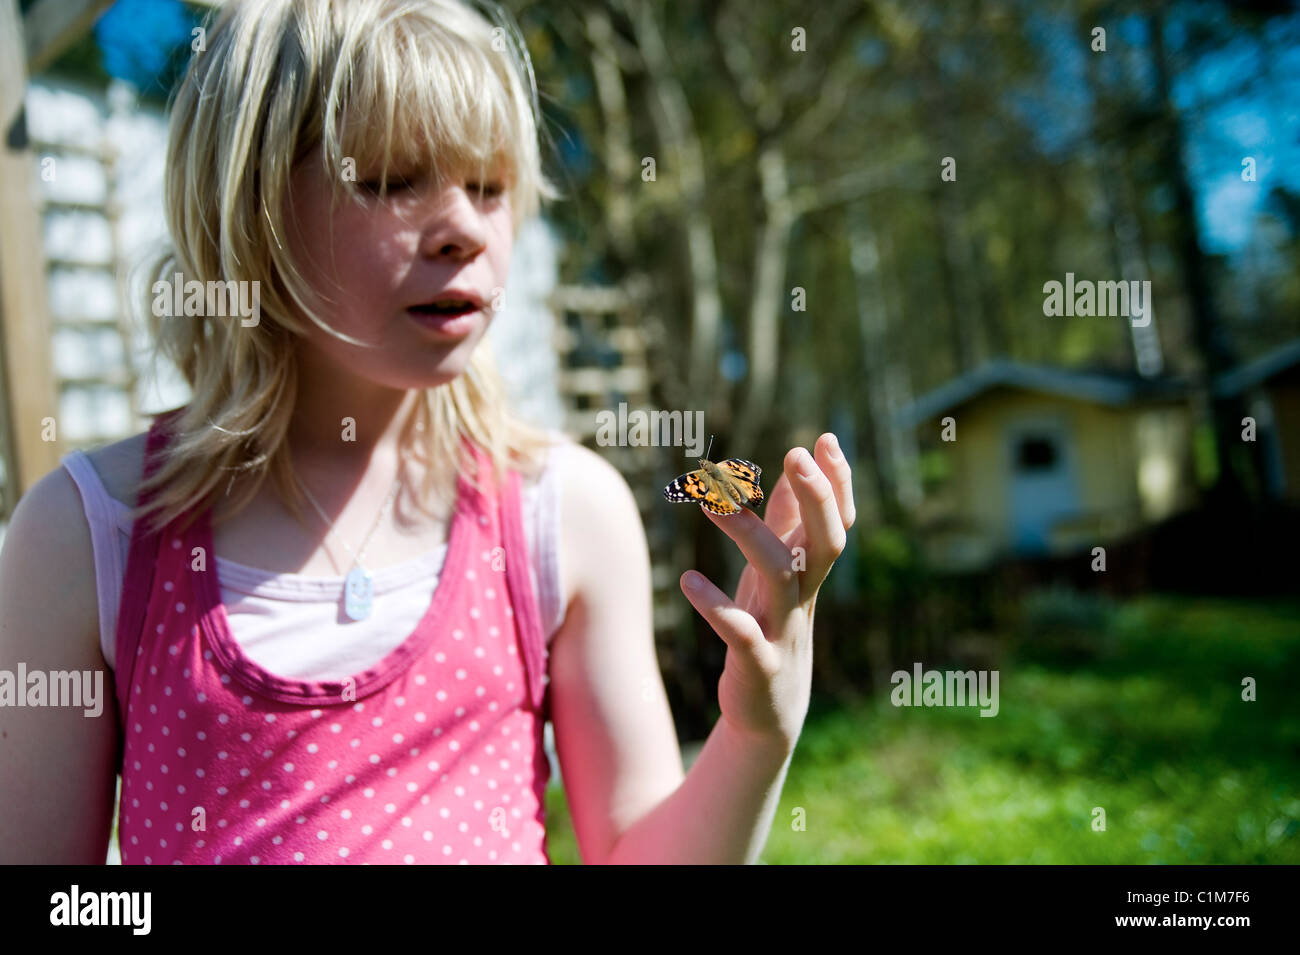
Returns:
(1152,729)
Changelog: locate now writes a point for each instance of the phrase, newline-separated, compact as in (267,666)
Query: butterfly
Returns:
(721,488)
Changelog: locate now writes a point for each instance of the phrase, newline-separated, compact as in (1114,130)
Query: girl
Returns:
(329,594)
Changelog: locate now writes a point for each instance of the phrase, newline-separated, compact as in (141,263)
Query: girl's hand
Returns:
(767,679)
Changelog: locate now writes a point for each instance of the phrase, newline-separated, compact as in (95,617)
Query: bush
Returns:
(1066,627)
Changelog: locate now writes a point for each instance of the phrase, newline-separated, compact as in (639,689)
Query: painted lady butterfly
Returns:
(721,488)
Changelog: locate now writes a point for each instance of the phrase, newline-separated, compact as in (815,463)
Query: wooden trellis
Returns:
(112,374)
(102,372)
(604,346)
(28,391)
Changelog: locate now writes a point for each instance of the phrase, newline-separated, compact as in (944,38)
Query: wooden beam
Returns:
(51,26)
(30,394)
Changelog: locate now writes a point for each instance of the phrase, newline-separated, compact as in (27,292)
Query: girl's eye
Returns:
(493,190)
(374,185)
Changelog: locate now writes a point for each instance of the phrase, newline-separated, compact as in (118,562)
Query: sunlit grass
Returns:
(1154,732)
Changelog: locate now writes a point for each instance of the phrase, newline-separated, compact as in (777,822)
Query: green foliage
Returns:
(1157,735)
(890,568)
(1066,626)
(1204,461)
(935,467)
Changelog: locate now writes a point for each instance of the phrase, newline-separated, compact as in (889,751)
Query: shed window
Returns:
(1036,453)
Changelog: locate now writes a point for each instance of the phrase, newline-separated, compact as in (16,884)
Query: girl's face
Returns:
(410,248)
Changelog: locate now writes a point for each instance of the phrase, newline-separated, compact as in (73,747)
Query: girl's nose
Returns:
(455,226)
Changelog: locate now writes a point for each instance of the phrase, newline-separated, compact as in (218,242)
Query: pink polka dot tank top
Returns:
(433,755)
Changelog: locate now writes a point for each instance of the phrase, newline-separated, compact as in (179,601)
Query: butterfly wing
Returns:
(698,486)
(691,486)
(744,477)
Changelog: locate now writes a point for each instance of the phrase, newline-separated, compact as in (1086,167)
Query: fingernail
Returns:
(834,449)
(693,582)
(807,467)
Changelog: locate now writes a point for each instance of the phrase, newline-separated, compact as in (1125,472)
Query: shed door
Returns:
(1042,483)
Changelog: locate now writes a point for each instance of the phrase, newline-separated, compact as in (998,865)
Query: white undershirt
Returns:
(292,625)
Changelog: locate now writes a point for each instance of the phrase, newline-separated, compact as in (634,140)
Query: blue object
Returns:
(138,39)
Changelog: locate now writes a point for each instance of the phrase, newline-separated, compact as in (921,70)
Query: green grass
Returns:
(1153,730)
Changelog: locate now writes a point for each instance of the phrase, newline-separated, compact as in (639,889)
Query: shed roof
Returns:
(1260,370)
(1104,388)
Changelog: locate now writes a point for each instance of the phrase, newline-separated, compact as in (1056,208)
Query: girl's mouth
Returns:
(449,319)
(449,309)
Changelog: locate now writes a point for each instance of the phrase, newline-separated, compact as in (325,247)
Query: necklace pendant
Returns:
(357,593)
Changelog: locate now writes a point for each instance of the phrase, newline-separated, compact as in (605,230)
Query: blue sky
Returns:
(1224,123)
(1264,124)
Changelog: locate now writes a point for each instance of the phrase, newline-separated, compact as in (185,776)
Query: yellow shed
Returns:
(1023,460)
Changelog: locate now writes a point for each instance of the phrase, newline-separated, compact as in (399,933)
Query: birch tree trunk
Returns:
(864,258)
(676,129)
(620,160)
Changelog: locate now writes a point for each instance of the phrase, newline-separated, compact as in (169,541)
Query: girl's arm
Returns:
(57,765)
(619,758)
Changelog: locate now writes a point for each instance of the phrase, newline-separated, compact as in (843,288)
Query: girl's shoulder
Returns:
(579,471)
(586,481)
(598,511)
(120,467)
(48,594)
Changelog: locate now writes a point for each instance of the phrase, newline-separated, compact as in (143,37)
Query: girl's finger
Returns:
(823,525)
(836,468)
(738,629)
(782,510)
(765,552)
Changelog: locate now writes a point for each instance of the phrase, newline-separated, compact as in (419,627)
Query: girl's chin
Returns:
(431,374)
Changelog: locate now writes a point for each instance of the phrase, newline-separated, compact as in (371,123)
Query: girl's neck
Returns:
(342,449)
(346,449)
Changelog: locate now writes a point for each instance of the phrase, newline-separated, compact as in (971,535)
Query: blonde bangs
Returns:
(388,87)
(430,95)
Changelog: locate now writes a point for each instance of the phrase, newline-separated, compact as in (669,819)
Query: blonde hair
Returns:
(383,83)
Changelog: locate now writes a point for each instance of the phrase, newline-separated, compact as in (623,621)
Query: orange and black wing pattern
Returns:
(738,485)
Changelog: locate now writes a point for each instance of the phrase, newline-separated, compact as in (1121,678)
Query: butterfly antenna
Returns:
(707,453)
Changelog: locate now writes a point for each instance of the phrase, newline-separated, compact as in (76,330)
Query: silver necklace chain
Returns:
(329,525)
